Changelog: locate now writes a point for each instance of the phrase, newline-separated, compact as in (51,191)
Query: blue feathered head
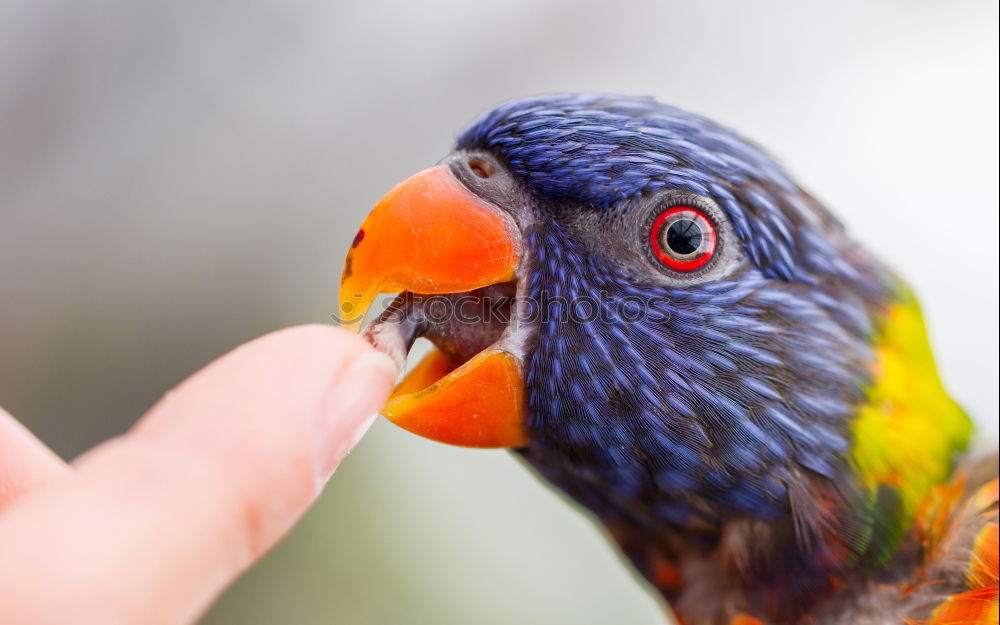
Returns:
(691,330)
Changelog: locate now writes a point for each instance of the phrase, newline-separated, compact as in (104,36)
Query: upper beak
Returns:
(430,235)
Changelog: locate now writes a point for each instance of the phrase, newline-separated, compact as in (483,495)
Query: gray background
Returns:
(178,177)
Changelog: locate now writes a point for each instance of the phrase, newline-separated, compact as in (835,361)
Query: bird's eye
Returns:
(683,238)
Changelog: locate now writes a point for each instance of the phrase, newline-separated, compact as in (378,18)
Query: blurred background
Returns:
(178,177)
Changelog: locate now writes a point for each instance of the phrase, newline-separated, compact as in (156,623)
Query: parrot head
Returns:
(657,318)
(648,309)
(638,299)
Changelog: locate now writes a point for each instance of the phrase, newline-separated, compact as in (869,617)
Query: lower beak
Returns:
(432,236)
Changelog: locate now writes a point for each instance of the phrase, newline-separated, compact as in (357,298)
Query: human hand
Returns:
(149,527)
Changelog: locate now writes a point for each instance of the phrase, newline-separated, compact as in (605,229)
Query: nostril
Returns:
(480,167)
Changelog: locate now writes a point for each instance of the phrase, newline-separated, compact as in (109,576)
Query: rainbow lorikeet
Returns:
(664,325)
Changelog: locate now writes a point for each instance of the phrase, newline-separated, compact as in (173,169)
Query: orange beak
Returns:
(432,236)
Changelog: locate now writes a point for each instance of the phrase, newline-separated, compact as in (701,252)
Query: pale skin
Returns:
(149,527)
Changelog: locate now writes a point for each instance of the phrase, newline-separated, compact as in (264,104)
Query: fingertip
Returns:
(276,414)
(351,407)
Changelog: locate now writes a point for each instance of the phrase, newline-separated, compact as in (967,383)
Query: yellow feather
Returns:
(910,432)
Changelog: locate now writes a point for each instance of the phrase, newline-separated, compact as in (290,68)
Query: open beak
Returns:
(430,236)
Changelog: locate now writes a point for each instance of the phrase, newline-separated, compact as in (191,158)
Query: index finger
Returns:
(154,524)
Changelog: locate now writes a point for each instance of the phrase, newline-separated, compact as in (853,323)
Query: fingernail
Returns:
(350,408)
(376,360)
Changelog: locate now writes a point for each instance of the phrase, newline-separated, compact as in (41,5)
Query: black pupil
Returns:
(684,236)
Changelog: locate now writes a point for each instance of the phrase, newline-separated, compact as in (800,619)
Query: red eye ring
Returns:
(690,233)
